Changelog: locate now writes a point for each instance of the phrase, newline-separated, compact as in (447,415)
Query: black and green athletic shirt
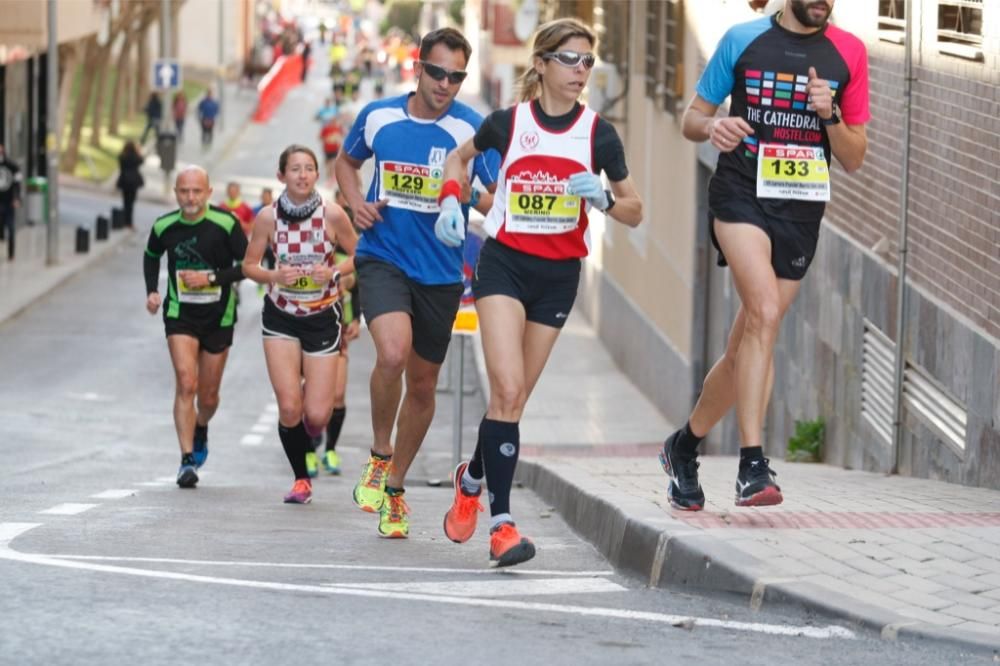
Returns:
(216,243)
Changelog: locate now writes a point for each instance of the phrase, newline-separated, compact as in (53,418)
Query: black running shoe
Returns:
(187,477)
(684,491)
(755,484)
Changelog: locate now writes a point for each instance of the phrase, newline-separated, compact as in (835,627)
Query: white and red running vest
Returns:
(532,211)
(303,244)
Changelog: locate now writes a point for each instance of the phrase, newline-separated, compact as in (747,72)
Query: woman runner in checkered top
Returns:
(553,150)
(302,311)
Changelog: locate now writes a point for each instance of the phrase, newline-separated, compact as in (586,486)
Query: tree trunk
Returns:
(100,89)
(69,62)
(142,69)
(72,153)
(122,71)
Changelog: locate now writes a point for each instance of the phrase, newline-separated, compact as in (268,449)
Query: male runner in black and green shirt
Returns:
(204,247)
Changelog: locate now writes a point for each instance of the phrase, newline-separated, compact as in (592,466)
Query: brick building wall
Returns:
(954,224)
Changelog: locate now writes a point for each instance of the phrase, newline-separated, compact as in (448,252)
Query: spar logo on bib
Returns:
(529,140)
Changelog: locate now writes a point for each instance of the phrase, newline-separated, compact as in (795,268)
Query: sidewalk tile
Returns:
(959,582)
(930,617)
(921,599)
(973,614)
(968,599)
(915,583)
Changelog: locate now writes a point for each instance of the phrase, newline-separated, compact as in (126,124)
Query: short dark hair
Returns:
(295,148)
(450,37)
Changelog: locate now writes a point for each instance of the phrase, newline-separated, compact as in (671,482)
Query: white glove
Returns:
(450,225)
(589,186)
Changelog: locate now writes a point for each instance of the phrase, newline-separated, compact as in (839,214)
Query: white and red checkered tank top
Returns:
(303,243)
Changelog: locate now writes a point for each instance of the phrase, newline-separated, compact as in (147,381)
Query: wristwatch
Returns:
(474,198)
(611,200)
(834,118)
(211,279)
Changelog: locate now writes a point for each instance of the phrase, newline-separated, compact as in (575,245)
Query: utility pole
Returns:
(51,142)
(167,118)
(220,78)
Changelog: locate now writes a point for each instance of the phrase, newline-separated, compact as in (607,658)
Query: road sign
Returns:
(166,74)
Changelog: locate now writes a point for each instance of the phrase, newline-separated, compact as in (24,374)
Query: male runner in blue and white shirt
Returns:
(411,283)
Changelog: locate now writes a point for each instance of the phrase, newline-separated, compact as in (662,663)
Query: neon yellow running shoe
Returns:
(369,494)
(394,517)
(312,464)
(331,462)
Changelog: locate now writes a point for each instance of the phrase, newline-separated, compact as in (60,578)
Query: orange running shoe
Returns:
(508,547)
(302,492)
(460,521)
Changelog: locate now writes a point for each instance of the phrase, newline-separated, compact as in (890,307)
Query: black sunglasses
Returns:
(571,58)
(455,76)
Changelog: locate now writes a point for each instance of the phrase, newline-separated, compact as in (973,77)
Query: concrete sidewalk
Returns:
(906,557)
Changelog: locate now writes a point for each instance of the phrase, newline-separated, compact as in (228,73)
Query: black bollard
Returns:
(82,240)
(101,228)
(117,218)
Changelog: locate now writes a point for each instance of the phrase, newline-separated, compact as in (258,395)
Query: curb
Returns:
(639,539)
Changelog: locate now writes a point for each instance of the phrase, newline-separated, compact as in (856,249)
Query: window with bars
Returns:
(664,52)
(960,28)
(891,20)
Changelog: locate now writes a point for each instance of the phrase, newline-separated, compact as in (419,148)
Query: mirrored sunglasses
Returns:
(455,76)
(571,58)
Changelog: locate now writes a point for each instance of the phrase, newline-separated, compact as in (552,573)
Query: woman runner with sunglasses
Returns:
(553,149)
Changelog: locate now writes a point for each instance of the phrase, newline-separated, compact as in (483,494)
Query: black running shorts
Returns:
(432,307)
(546,287)
(318,334)
(793,242)
(211,339)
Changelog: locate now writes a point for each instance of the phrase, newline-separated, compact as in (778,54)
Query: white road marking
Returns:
(68,509)
(9,531)
(488,589)
(271,408)
(350,567)
(251,440)
(350,449)
(262,427)
(114,494)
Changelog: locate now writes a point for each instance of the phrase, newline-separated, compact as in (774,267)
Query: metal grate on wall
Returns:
(922,396)
(942,413)
(876,381)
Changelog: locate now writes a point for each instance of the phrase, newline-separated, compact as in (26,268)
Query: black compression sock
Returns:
(334,426)
(687,442)
(749,453)
(476,463)
(379,456)
(200,431)
(187,459)
(501,444)
(297,443)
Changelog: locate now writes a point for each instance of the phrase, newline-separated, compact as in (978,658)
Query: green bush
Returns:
(807,444)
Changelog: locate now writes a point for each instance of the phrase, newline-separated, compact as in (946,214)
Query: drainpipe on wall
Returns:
(904,196)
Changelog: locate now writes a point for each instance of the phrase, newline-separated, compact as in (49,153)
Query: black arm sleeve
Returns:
(151,272)
(609,153)
(238,246)
(494,132)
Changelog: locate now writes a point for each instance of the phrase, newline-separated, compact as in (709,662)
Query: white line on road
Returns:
(114,494)
(350,567)
(8,531)
(498,587)
(251,440)
(262,427)
(68,509)
(271,408)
